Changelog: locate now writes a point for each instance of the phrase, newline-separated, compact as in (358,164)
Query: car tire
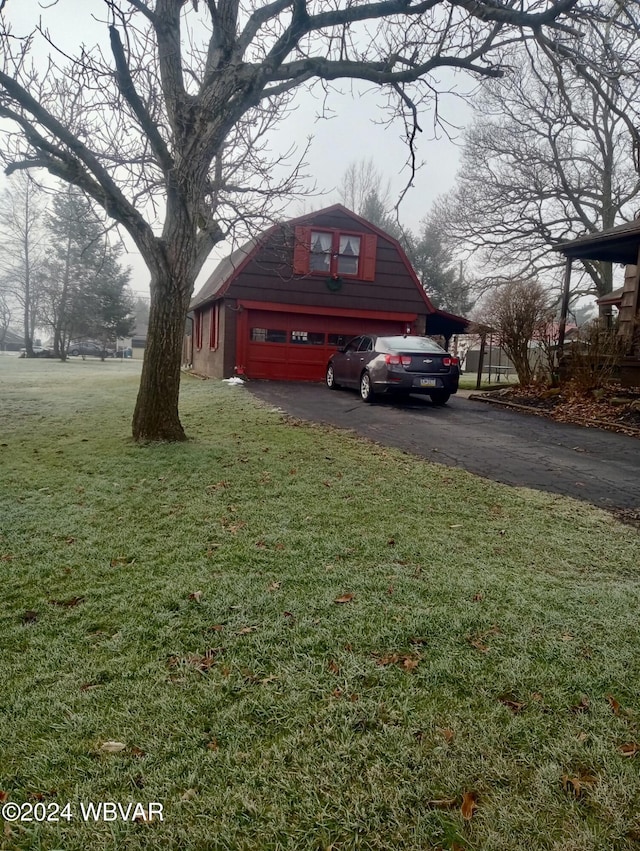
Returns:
(366,391)
(74,353)
(440,397)
(330,378)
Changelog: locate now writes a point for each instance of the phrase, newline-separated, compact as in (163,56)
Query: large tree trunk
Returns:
(156,412)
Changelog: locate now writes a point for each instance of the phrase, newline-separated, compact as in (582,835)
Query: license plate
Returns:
(428,382)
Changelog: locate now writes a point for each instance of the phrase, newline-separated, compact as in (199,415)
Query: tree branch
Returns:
(128,90)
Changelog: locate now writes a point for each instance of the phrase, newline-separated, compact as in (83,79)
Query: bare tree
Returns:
(5,316)
(152,131)
(22,251)
(517,311)
(361,182)
(543,164)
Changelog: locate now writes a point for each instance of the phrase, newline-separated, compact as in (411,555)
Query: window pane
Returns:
(320,259)
(339,339)
(349,254)
(309,338)
(409,344)
(268,335)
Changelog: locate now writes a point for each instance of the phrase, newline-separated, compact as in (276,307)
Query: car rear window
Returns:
(409,344)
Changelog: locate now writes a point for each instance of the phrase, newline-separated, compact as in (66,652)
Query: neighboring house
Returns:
(617,245)
(11,341)
(282,303)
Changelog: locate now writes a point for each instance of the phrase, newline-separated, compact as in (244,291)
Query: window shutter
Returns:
(198,329)
(369,247)
(213,325)
(301,251)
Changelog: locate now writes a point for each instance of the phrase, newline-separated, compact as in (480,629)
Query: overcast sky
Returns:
(351,135)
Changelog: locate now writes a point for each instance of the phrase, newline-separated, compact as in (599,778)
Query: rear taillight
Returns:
(398,360)
(450,361)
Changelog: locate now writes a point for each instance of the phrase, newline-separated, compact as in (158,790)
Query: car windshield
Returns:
(409,344)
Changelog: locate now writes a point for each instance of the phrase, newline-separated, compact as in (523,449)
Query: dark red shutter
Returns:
(301,251)
(213,326)
(198,329)
(368,263)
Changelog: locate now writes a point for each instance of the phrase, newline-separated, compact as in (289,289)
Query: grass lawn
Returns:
(292,638)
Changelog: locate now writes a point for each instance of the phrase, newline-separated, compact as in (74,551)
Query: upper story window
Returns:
(334,253)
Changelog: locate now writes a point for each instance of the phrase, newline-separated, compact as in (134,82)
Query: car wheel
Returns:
(440,397)
(74,353)
(331,378)
(366,393)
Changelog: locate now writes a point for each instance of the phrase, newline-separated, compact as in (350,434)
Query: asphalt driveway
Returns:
(518,449)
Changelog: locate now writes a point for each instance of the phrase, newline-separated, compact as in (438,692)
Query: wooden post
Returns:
(483,340)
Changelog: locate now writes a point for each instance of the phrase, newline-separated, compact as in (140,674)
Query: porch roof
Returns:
(616,245)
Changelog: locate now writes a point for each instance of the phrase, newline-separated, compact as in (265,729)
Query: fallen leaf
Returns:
(288,615)
(477,598)
(213,745)
(334,667)
(447,734)
(629,749)
(583,706)
(68,604)
(512,704)
(469,805)
(345,598)
(29,617)
(266,680)
(3,796)
(478,640)
(136,751)
(217,627)
(274,586)
(120,560)
(113,747)
(246,630)
(613,703)
(196,596)
(188,795)
(409,663)
(443,803)
(577,785)
(566,636)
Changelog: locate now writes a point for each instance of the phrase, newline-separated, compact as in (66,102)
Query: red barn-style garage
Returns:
(282,303)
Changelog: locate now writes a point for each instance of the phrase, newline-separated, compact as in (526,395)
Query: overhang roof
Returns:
(614,297)
(616,245)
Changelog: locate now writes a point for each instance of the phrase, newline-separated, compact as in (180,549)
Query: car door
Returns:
(358,359)
(343,361)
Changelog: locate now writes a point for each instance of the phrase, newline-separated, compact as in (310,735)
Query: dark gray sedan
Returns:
(402,365)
